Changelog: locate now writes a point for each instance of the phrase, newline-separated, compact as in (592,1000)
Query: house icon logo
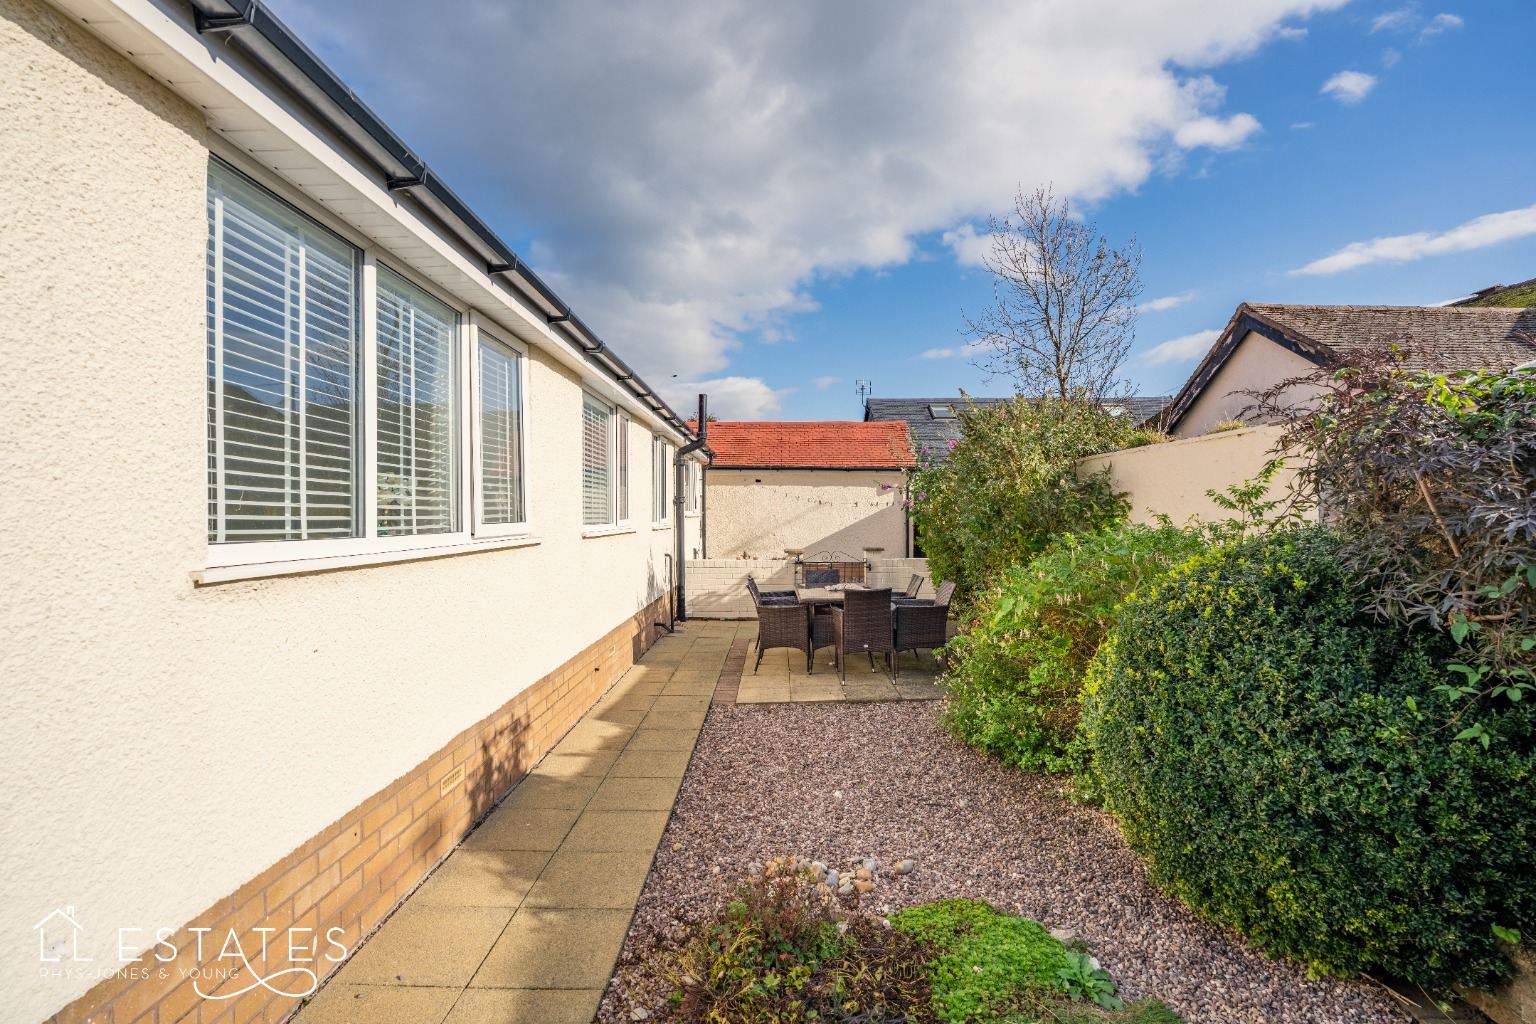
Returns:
(57,934)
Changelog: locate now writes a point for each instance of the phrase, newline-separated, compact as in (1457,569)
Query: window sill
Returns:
(329,563)
(607,531)
(661,526)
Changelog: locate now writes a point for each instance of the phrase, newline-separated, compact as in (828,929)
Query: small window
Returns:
(501,435)
(660,470)
(418,410)
(942,412)
(596,461)
(695,479)
(623,484)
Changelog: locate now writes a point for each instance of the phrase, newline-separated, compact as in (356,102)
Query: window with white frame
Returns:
(623,482)
(661,509)
(695,480)
(283,353)
(502,500)
(597,473)
(418,411)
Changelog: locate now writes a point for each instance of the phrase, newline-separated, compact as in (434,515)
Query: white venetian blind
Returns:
(282,369)
(501,428)
(596,503)
(417,410)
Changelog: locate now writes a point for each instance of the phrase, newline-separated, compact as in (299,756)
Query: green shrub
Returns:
(1015,688)
(1265,746)
(1010,485)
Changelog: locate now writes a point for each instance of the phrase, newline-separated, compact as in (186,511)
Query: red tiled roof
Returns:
(833,444)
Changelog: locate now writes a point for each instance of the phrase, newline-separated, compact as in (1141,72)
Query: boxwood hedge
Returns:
(1256,737)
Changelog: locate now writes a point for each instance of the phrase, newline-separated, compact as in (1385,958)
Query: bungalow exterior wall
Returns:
(166,746)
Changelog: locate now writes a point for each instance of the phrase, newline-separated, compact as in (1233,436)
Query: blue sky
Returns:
(761,202)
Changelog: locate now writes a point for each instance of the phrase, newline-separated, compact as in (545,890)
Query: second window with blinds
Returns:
(604,464)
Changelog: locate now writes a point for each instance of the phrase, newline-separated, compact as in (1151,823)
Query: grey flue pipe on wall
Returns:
(286,59)
(680,503)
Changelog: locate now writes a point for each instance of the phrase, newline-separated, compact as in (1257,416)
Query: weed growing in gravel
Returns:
(991,968)
(784,953)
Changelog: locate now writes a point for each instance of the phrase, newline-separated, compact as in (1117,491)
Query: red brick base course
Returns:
(352,876)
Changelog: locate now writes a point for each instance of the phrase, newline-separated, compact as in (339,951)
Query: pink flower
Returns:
(952,443)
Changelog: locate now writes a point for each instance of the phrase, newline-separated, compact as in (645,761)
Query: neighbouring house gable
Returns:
(1434,337)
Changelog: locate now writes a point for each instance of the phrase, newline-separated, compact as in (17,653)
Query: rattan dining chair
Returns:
(863,623)
(781,625)
(770,596)
(822,577)
(913,589)
(923,624)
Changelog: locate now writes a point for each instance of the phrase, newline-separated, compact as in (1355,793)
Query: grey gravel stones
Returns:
(761,784)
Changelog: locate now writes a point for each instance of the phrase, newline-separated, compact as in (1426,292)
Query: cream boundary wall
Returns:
(1172,478)
(717,587)
(1254,365)
(162,743)
(761,512)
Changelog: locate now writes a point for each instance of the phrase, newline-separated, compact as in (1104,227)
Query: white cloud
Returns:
(1441,23)
(822,383)
(1165,302)
(683,173)
(1301,126)
(1390,57)
(970,249)
(1399,20)
(1489,229)
(730,398)
(1291,34)
(1180,350)
(1349,87)
(1215,132)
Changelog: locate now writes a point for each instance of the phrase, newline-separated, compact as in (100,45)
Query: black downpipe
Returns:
(680,505)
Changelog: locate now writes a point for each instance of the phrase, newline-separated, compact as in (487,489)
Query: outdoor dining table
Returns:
(825,595)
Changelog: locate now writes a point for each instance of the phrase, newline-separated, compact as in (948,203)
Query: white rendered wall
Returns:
(160,743)
(760,513)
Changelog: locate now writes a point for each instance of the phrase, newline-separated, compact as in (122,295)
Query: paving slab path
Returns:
(524,920)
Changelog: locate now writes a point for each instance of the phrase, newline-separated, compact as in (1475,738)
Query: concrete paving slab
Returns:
(591,881)
(544,1005)
(524,828)
(636,794)
(482,878)
(562,948)
(380,1004)
(614,831)
(431,946)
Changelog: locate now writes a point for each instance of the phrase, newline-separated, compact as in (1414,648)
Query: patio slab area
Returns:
(524,920)
(782,677)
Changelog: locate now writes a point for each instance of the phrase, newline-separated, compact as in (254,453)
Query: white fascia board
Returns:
(253,119)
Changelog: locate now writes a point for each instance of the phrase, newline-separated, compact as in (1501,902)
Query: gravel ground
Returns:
(840,782)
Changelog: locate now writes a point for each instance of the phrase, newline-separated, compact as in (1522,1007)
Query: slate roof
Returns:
(932,436)
(1443,338)
(831,444)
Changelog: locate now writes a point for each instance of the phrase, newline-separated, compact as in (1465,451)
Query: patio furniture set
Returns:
(849,617)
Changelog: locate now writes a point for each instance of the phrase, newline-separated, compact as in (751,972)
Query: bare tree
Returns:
(1064,303)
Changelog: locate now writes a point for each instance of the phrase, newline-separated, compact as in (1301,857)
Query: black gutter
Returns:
(680,503)
(256,31)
